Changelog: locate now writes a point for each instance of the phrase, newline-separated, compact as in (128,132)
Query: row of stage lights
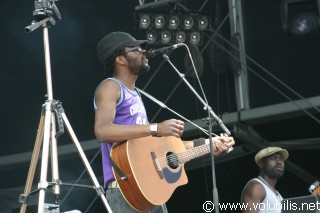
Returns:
(169,28)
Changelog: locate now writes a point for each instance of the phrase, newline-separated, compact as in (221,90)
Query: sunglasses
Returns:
(137,49)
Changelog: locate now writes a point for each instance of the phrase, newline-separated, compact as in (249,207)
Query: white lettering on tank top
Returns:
(135,108)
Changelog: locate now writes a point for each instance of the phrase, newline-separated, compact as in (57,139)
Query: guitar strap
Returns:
(117,169)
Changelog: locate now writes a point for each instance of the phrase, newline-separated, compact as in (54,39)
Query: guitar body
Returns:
(151,179)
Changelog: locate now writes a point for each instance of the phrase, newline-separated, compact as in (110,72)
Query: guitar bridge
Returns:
(157,165)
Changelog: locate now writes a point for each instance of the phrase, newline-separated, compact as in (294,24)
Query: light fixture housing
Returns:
(188,22)
(195,38)
(203,22)
(159,22)
(174,22)
(180,37)
(152,36)
(304,24)
(300,17)
(166,37)
(145,21)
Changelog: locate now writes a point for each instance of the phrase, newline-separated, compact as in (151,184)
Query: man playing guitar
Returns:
(120,115)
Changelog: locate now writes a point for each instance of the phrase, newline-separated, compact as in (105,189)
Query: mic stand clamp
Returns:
(209,119)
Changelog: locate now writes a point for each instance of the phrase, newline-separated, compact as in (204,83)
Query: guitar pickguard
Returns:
(169,175)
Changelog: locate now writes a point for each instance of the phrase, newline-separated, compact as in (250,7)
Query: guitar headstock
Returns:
(227,140)
(230,143)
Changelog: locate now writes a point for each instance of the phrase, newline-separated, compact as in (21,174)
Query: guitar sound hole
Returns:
(172,160)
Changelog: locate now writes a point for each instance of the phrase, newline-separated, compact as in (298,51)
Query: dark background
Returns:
(76,72)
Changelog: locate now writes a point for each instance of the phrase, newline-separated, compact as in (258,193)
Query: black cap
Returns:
(114,41)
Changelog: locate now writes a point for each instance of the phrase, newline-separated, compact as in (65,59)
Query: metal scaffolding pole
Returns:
(240,70)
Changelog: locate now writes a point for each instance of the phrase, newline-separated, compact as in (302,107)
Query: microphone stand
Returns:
(206,105)
(210,123)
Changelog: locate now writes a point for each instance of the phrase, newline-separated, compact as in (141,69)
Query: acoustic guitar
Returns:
(154,167)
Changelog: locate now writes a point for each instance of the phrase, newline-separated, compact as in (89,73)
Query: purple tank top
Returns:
(129,111)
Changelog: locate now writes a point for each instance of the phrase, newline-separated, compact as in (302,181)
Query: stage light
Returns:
(159,22)
(195,38)
(300,17)
(203,22)
(174,23)
(304,24)
(188,22)
(152,36)
(181,37)
(166,37)
(145,22)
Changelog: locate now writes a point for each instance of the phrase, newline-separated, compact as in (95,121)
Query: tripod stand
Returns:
(52,112)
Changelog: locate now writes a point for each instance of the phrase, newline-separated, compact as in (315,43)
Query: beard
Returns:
(274,173)
(138,68)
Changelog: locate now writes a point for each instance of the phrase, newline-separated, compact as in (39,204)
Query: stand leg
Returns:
(33,165)
(99,189)
(54,159)
(43,184)
(47,135)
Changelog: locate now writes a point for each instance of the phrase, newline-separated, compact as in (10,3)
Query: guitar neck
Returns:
(194,153)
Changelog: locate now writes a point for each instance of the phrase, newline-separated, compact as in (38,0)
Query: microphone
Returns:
(154,52)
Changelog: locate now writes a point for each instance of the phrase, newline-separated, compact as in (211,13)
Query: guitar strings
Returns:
(185,156)
(181,157)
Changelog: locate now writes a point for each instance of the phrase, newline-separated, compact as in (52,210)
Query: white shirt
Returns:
(272,201)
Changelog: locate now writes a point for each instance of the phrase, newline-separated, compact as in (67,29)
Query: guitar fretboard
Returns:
(193,153)
(198,151)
